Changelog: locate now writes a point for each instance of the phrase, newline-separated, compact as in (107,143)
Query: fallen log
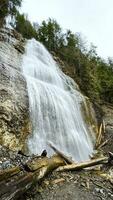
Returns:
(103,144)
(62,155)
(15,187)
(7,173)
(103,126)
(99,138)
(73,167)
(37,164)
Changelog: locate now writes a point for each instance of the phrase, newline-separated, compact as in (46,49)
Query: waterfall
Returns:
(55,106)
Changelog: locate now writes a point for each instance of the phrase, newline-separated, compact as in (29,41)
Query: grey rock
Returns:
(14,105)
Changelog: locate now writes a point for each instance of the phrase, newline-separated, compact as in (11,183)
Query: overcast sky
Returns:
(93,18)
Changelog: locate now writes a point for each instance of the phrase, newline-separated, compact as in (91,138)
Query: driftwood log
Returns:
(8,173)
(82,165)
(12,187)
(15,182)
(101,131)
(99,138)
(62,155)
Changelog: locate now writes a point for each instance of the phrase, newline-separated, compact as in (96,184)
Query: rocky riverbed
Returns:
(95,183)
(89,184)
(85,184)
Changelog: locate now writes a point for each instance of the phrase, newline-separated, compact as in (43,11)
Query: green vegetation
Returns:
(24,26)
(92,73)
(8,7)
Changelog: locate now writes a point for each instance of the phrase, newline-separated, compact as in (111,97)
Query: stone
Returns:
(15,123)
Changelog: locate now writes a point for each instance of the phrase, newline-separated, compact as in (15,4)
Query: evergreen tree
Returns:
(24,26)
(8,7)
(49,33)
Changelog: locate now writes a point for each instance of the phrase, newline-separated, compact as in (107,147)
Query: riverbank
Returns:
(85,184)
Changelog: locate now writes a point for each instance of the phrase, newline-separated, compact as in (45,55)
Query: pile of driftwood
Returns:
(16,181)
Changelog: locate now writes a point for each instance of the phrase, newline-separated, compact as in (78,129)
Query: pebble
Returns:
(6,164)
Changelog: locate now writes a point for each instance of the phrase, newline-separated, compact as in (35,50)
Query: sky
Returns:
(92,18)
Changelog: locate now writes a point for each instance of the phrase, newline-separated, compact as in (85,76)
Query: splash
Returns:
(55,106)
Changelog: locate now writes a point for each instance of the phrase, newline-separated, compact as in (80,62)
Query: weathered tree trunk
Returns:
(16,186)
(7,173)
(82,165)
(15,182)
(68,160)
(99,138)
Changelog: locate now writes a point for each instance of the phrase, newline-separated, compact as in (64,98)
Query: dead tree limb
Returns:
(15,187)
(99,138)
(103,126)
(15,184)
(82,165)
(103,144)
(7,173)
(68,160)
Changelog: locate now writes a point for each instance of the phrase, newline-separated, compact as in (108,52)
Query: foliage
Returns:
(13,5)
(24,26)
(49,33)
(105,78)
(8,7)
(94,75)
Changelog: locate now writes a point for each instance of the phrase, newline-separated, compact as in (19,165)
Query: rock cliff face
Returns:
(14,113)
(15,123)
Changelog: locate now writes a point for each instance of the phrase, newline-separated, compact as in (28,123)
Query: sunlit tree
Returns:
(49,33)
(24,26)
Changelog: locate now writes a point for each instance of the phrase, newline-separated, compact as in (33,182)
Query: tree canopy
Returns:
(8,7)
(93,74)
(90,71)
(24,26)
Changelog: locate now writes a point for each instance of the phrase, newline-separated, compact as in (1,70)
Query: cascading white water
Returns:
(55,106)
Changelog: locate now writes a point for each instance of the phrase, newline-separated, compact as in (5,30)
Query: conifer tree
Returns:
(8,7)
